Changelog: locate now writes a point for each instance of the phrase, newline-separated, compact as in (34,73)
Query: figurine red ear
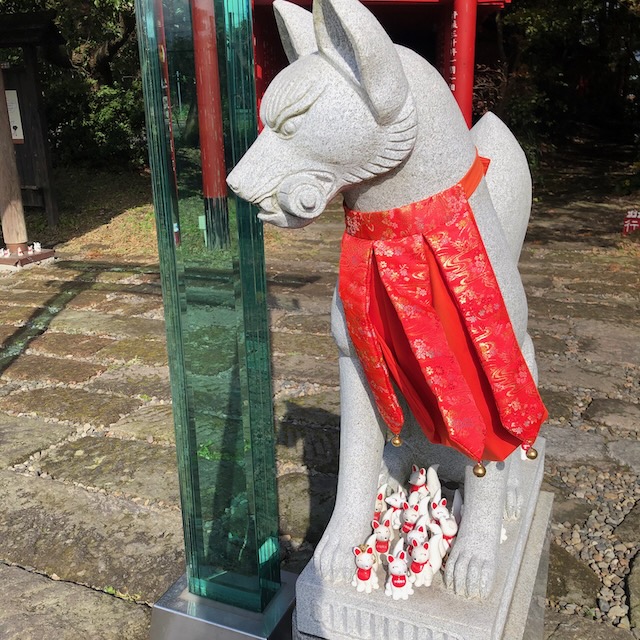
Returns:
(357,551)
(423,471)
(405,505)
(434,505)
(426,545)
(387,523)
(414,467)
(402,555)
(421,528)
(443,502)
(375,524)
(414,543)
(415,507)
(380,496)
(390,559)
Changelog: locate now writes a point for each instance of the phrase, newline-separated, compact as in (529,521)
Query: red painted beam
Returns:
(463,52)
(209,102)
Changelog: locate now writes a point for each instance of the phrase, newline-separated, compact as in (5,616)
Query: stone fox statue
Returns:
(430,316)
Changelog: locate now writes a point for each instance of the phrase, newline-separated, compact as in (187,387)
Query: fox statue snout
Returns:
(329,124)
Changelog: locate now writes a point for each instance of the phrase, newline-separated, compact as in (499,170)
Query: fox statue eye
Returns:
(290,126)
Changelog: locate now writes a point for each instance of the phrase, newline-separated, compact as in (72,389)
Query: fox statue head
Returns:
(341,113)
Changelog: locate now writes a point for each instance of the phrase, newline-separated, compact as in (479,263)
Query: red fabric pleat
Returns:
(424,310)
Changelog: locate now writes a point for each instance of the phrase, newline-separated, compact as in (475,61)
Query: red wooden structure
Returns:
(443,31)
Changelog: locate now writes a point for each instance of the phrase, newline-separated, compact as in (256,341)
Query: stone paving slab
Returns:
(92,322)
(316,409)
(558,626)
(566,444)
(87,299)
(553,308)
(571,580)
(69,345)
(120,467)
(135,380)
(6,331)
(316,449)
(20,437)
(603,377)
(35,607)
(89,538)
(74,405)
(559,404)
(28,298)
(317,324)
(35,367)
(305,368)
(130,305)
(151,352)
(18,315)
(155,421)
(306,504)
(614,413)
(626,452)
(303,344)
(601,342)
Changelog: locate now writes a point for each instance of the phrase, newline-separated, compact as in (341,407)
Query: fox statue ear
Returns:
(295,26)
(351,38)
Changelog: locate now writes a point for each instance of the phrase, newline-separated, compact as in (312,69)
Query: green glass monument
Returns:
(199,90)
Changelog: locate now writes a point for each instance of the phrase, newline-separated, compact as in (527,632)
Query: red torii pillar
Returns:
(462,54)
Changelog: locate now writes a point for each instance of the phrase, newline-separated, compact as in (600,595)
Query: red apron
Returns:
(424,310)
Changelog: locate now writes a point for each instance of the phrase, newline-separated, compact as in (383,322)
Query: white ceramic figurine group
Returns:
(412,533)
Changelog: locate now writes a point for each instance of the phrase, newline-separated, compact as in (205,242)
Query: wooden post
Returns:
(14,228)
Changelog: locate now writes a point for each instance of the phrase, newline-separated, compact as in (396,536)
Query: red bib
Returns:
(382,546)
(364,574)
(424,311)
(417,567)
(398,581)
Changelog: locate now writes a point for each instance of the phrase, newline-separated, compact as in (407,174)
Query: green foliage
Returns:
(97,125)
(568,63)
(91,87)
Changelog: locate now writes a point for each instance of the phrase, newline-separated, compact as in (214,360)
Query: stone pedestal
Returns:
(513,611)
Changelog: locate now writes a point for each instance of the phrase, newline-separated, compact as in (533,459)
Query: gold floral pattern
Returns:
(424,311)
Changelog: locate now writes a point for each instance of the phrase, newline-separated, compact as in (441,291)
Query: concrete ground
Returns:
(90,526)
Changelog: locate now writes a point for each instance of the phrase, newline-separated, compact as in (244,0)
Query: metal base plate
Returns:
(181,615)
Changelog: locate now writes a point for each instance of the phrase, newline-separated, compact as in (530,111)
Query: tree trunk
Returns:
(14,229)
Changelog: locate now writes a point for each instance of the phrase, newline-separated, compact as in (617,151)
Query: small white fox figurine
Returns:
(398,585)
(383,533)
(365,578)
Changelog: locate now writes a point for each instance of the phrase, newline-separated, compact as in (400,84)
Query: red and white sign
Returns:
(631,222)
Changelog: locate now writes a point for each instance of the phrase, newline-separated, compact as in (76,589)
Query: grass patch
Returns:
(101,214)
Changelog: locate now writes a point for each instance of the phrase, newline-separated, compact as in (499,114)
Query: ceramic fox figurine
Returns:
(421,570)
(418,481)
(381,505)
(398,585)
(383,533)
(365,578)
(396,501)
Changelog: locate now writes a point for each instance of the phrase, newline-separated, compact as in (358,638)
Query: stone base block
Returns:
(338,612)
